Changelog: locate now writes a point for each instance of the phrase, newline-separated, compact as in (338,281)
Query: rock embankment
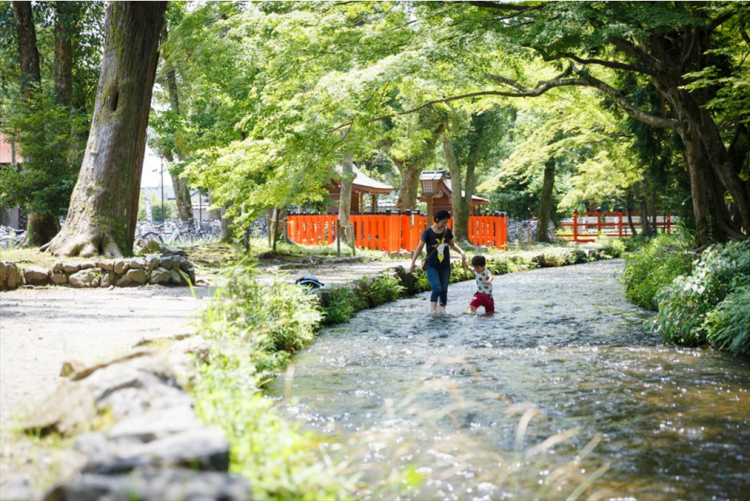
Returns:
(169,268)
(135,427)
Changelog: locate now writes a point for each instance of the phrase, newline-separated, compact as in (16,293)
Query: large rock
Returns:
(154,425)
(124,281)
(58,266)
(85,278)
(59,278)
(153,484)
(160,276)
(173,251)
(71,267)
(166,262)
(87,265)
(137,263)
(10,275)
(121,266)
(106,265)
(204,449)
(36,275)
(108,279)
(176,277)
(140,382)
(138,276)
(177,262)
(152,262)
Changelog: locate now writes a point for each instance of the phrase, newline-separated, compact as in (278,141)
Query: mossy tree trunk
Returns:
(545,205)
(104,206)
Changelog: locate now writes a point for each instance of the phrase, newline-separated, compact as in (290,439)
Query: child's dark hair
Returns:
(442,214)
(478,261)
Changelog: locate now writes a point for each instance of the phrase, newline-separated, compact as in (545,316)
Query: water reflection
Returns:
(673,422)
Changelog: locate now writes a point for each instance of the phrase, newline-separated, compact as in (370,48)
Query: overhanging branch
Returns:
(582,80)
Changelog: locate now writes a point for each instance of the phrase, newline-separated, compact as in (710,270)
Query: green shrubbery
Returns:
(729,324)
(253,329)
(653,267)
(710,304)
(613,247)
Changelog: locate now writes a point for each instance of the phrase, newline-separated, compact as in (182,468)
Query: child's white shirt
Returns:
(482,286)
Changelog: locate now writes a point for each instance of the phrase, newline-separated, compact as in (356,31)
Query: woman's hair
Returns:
(442,214)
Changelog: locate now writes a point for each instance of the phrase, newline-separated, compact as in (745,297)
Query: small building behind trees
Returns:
(443,197)
(362,186)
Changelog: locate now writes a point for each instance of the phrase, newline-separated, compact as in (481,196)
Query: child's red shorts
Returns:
(485,300)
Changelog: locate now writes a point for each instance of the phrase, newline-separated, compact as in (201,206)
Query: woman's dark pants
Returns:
(439,279)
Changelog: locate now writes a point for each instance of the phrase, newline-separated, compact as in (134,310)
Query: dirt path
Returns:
(41,328)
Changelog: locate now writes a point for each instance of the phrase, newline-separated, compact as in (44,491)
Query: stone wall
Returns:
(169,267)
(135,432)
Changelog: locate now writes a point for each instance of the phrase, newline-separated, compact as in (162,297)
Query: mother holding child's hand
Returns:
(437,239)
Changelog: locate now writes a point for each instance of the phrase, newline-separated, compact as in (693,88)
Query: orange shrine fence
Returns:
(390,232)
(587,226)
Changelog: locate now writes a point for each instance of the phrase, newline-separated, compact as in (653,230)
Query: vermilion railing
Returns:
(588,226)
(390,232)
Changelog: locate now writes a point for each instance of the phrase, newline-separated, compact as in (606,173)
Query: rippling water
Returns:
(451,396)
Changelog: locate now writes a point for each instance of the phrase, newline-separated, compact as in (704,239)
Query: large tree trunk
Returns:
(180,185)
(27,49)
(461,209)
(408,191)
(104,206)
(345,202)
(64,16)
(545,205)
(40,228)
(706,227)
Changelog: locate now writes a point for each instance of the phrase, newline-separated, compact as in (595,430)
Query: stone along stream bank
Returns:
(466,399)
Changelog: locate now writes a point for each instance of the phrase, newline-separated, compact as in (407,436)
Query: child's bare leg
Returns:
(471,310)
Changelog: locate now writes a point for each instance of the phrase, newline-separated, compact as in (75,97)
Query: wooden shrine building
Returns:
(436,185)
(362,186)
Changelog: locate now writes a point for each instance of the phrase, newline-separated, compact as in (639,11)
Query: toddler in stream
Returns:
(483,296)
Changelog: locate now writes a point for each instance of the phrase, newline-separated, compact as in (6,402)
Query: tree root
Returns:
(91,243)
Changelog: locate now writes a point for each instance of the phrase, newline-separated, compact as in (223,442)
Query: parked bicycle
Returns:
(10,238)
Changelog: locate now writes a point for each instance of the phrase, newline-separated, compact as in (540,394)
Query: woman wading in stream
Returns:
(437,239)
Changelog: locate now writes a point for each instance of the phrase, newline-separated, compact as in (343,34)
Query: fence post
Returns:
(575,226)
(619,225)
(669,223)
(599,217)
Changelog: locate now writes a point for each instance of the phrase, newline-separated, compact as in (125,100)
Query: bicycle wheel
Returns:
(7,242)
(152,235)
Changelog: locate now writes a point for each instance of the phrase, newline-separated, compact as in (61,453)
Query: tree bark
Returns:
(40,228)
(27,48)
(628,201)
(545,204)
(706,228)
(180,185)
(345,202)
(461,209)
(64,13)
(408,191)
(104,206)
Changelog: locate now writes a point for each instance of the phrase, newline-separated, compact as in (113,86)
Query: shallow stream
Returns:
(562,390)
